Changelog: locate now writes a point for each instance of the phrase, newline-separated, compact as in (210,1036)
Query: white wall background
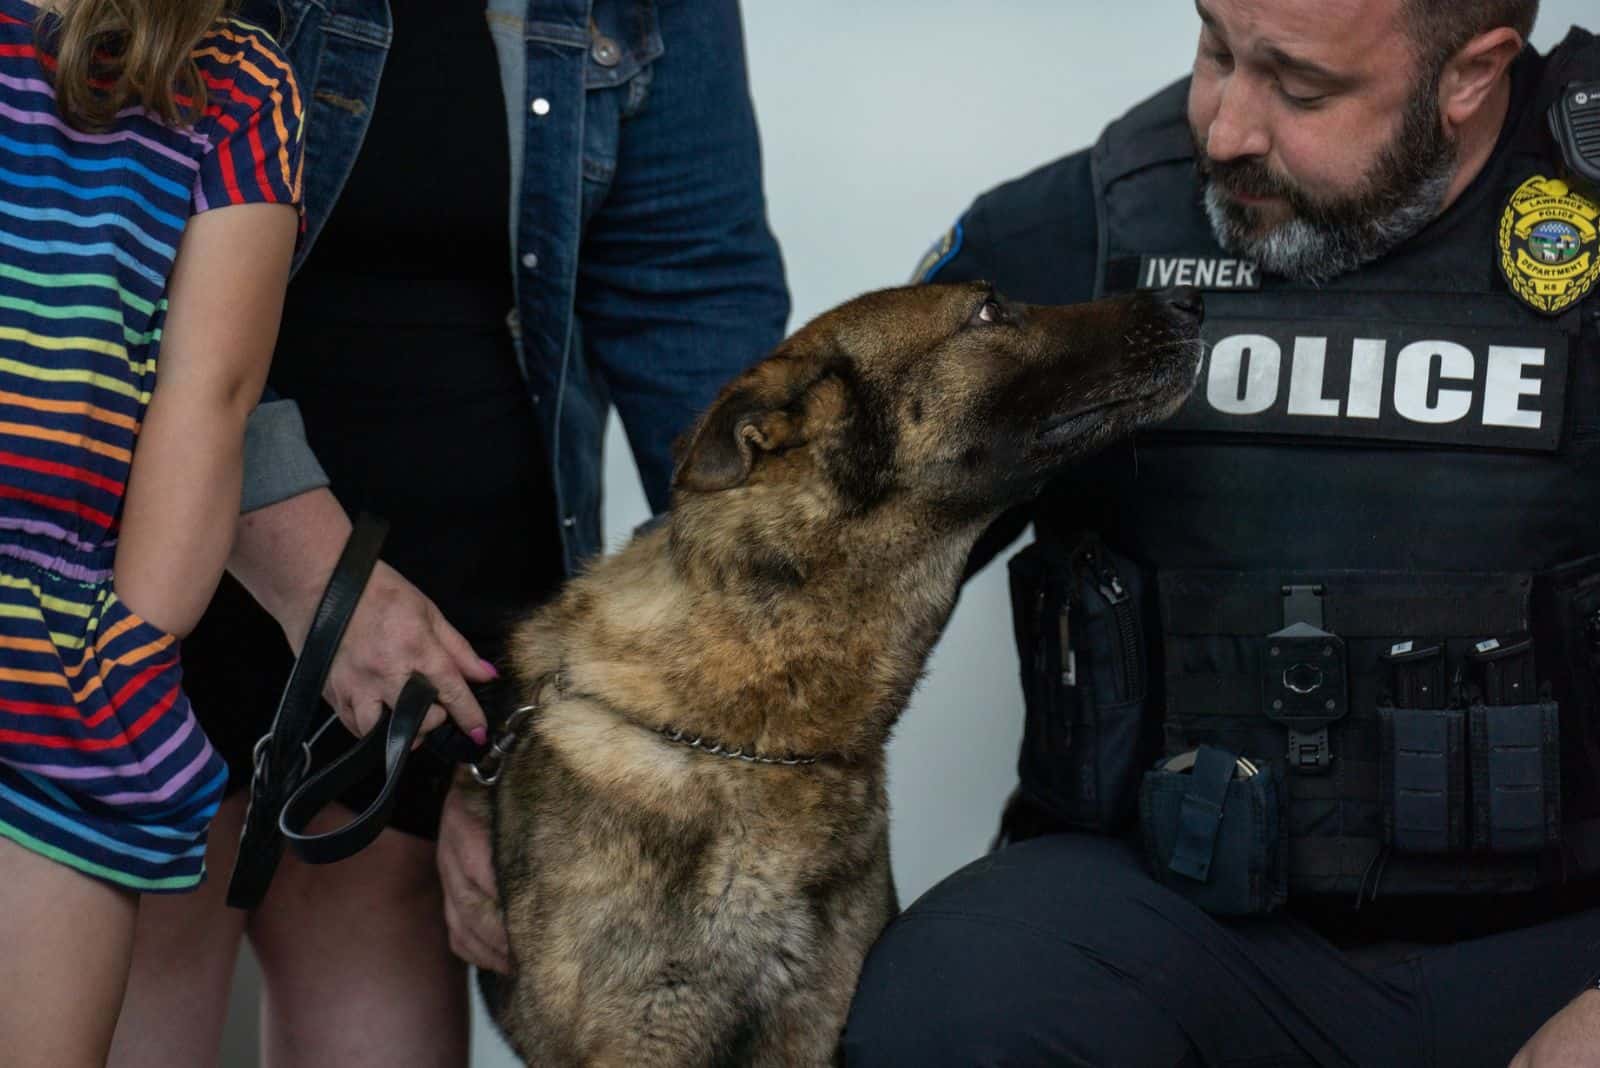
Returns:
(881,120)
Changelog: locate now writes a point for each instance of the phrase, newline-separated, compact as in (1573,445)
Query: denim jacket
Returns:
(552,54)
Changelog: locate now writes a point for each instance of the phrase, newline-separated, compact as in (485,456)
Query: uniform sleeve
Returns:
(954,256)
(252,121)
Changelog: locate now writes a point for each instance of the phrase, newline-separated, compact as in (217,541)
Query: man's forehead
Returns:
(1325,32)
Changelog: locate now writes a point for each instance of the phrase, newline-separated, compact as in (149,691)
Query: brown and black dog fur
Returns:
(670,906)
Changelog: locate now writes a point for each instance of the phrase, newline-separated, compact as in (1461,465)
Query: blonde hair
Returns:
(113,54)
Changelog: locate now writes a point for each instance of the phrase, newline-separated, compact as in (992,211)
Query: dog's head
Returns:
(949,398)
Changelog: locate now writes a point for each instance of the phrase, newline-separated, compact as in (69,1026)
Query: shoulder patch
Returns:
(939,253)
(1549,252)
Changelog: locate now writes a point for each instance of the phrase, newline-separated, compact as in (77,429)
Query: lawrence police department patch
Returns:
(1548,249)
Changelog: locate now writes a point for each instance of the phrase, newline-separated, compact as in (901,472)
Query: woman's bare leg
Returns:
(356,962)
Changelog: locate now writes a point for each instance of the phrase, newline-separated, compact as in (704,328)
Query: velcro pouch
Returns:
(1516,777)
(1423,772)
(1214,833)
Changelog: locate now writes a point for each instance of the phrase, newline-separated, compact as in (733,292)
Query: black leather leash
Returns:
(389,744)
(284,796)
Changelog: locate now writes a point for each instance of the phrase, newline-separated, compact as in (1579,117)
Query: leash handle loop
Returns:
(389,742)
(277,771)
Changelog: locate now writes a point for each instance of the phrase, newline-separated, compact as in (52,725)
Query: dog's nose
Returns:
(1185,299)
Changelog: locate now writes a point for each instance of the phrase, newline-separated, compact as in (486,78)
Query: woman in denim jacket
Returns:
(502,266)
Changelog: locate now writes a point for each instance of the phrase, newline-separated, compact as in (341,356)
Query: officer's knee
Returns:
(916,1002)
(972,1011)
(1015,960)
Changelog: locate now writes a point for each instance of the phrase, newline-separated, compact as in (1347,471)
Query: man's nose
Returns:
(1237,131)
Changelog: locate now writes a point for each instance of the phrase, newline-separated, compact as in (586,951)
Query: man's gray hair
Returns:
(1440,27)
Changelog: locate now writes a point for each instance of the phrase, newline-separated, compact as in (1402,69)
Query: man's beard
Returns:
(1324,238)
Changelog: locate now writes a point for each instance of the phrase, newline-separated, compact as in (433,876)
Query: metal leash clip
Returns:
(486,770)
(1242,768)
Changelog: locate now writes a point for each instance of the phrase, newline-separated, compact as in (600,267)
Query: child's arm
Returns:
(225,296)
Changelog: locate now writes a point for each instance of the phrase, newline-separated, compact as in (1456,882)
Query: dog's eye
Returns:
(990,312)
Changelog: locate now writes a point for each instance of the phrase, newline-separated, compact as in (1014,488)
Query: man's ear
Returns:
(1470,76)
(748,420)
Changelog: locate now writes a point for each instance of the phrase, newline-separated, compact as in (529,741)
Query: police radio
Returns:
(1575,122)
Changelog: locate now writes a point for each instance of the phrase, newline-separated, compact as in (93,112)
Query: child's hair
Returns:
(113,54)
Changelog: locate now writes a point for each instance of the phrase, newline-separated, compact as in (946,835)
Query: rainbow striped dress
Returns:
(103,766)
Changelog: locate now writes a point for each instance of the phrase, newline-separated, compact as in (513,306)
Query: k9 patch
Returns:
(1488,387)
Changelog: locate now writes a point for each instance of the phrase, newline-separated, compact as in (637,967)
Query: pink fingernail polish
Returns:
(479,735)
(490,668)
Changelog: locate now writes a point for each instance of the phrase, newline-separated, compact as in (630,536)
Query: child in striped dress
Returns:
(136,324)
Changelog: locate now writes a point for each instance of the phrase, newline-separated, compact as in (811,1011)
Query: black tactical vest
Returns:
(1369,544)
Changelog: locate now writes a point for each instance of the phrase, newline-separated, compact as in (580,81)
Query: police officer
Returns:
(1311,771)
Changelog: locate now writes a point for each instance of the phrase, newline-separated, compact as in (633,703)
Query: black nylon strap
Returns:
(390,742)
(282,756)
(1200,814)
(1355,604)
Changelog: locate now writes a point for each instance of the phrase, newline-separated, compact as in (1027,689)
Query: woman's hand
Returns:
(397,630)
(284,554)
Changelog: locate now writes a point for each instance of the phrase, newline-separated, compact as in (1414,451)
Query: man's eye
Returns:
(1302,101)
(989,312)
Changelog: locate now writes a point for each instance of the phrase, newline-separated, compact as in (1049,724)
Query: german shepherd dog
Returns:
(691,835)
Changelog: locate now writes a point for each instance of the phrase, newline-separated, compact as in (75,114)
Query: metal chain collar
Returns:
(673,734)
(487,769)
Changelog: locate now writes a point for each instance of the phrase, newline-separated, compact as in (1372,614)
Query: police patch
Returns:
(1549,254)
(1479,386)
(940,253)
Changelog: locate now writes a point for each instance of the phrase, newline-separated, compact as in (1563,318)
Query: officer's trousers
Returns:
(1061,950)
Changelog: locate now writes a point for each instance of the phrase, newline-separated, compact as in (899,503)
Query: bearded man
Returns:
(1311,770)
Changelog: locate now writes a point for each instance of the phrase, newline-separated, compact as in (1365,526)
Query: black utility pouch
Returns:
(1566,625)
(1214,832)
(1423,768)
(1085,681)
(1516,777)
(1423,756)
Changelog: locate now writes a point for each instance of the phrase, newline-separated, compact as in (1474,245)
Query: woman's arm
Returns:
(225,297)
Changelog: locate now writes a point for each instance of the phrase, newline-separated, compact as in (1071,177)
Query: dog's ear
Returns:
(737,429)
(761,413)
